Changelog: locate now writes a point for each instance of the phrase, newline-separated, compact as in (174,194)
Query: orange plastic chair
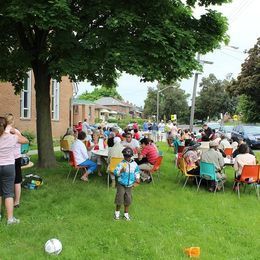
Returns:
(74,165)
(183,169)
(156,167)
(228,151)
(114,161)
(250,175)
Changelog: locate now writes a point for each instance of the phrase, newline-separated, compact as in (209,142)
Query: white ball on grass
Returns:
(53,246)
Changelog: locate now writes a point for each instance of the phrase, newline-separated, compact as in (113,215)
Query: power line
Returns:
(232,56)
(240,10)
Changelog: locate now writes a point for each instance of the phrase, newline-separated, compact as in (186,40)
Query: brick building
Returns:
(23,106)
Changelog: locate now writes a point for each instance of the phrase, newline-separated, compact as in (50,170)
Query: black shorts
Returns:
(7,175)
(18,171)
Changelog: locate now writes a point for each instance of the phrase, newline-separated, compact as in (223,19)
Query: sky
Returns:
(244,29)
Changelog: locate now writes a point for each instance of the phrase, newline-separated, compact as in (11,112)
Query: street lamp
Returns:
(158,97)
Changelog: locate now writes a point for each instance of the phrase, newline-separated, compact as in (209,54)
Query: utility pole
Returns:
(196,76)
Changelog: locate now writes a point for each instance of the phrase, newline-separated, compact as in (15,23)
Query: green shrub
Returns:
(98,120)
(29,135)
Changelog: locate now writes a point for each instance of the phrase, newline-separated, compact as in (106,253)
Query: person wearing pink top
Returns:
(17,156)
(8,142)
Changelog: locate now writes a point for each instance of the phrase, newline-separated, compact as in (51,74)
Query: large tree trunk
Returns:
(46,157)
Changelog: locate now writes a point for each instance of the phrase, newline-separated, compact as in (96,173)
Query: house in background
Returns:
(121,108)
(23,106)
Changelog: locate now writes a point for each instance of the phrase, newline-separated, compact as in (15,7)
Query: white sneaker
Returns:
(13,221)
(117,215)
(127,217)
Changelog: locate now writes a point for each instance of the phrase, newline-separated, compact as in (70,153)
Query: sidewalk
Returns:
(32,152)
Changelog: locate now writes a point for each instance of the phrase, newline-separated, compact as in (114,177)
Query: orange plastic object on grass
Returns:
(192,251)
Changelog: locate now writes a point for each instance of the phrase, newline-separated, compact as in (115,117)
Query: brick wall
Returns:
(10,103)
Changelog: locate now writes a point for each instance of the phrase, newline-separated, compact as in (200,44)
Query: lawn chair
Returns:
(25,148)
(228,152)
(114,161)
(183,169)
(74,165)
(250,176)
(156,168)
(208,172)
(64,146)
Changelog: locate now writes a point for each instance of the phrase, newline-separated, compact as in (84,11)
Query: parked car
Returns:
(250,133)
(214,125)
(226,130)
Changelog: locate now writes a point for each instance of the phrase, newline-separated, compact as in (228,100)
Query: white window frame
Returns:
(55,100)
(28,93)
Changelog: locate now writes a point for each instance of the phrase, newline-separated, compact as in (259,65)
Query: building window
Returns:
(76,109)
(55,100)
(25,97)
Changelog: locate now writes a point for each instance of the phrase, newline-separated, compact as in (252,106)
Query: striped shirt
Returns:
(150,153)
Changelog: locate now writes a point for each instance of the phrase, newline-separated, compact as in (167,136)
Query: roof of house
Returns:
(77,101)
(109,101)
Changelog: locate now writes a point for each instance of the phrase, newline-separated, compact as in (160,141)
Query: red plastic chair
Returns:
(74,165)
(228,152)
(156,168)
(250,175)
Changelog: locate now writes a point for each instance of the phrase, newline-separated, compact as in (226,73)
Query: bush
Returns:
(29,135)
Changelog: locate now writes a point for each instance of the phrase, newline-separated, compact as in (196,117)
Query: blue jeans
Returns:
(90,165)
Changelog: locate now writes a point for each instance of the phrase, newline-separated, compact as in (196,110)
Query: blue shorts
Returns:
(90,165)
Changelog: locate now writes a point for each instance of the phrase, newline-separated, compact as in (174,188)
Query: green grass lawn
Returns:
(165,220)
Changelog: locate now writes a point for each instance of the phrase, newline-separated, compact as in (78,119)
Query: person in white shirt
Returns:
(224,143)
(81,155)
(130,142)
(243,158)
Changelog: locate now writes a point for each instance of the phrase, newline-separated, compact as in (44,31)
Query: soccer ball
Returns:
(53,246)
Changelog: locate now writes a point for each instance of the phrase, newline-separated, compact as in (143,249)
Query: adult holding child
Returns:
(8,142)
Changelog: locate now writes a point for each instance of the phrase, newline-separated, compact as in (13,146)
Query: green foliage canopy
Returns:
(213,99)
(96,39)
(100,92)
(173,100)
(248,85)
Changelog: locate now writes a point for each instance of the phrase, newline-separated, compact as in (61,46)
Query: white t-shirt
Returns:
(80,151)
(133,144)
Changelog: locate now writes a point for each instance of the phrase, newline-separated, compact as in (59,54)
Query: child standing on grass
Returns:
(128,173)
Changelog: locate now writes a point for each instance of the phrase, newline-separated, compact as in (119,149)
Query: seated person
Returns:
(236,152)
(136,134)
(81,155)
(243,158)
(130,142)
(147,157)
(191,157)
(224,143)
(115,151)
(70,137)
(212,155)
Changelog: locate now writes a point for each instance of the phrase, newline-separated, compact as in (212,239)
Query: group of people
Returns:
(10,166)
(138,154)
(214,153)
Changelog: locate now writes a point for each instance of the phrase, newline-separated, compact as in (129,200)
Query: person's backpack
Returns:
(32,181)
